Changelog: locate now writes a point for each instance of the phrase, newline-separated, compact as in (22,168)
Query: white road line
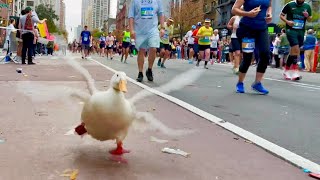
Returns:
(290,82)
(267,145)
(308,87)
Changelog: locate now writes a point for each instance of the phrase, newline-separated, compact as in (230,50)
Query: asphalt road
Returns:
(288,116)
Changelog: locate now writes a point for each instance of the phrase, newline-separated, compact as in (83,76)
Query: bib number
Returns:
(146,12)
(85,38)
(248,45)
(128,39)
(298,24)
(205,39)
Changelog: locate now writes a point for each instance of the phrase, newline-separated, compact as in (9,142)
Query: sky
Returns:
(73,15)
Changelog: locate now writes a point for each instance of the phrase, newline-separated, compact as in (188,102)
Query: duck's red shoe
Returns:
(80,130)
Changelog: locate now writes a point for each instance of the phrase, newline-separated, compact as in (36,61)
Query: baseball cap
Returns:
(199,24)
(207,20)
(193,27)
(28,9)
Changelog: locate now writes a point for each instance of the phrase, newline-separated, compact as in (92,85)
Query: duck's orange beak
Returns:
(123,86)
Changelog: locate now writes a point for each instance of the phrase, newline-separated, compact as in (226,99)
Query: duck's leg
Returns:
(119,150)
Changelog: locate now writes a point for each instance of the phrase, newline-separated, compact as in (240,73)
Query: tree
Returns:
(187,14)
(96,33)
(46,12)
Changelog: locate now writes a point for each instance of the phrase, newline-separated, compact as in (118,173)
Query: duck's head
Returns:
(119,81)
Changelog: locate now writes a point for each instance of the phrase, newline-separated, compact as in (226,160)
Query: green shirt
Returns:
(295,13)
(126,36)
(168,31)
(284,40)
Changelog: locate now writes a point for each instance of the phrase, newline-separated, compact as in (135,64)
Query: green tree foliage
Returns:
(46,12)
(96,33)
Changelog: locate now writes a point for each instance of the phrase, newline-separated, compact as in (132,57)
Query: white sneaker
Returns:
(295,76)
(287,75)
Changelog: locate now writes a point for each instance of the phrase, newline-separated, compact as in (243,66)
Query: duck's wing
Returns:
(179,82)
(146,121)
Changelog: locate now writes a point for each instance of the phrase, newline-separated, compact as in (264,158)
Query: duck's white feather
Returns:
(107,115)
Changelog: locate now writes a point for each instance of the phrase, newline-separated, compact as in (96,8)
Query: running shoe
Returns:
(162,66)
(159,62)
(240,87)
(140,77)
(149,74)
(259,88)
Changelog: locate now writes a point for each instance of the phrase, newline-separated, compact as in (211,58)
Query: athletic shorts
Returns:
(295,37)
(213,49)
(283,50)
(125,44)
(190,46)
(109,47)
(102,46)
(85,46)
(196,48)
(147,41)
(166,47)
(204,47)
(235,45)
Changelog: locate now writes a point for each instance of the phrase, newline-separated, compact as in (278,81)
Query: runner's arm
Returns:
(131,18)
(230,23)
(309,19)
(283,13)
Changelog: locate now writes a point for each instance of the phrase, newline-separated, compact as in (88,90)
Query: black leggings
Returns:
(261,42)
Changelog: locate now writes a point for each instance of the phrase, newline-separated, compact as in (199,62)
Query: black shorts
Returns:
(125,44)
(203,47)
(109,47)
(213,49)
(102,46)
(284,50)
(166,47)
(235,45)
(190,46)
(295,37)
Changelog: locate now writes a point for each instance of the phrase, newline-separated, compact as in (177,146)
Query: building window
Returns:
(30,3)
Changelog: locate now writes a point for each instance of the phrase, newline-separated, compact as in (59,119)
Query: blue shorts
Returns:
(149,41)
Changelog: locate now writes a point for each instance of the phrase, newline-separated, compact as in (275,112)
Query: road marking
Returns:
(267,145)
(290,82)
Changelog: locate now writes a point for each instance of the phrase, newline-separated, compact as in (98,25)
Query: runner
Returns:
(295,14)
(253,33)
(165,48)
(110,42)
(204,34)
(214,46)
(102,44)
(235,45)
(190,40)
(196,44)
(85,40)
(143,20)
(125,44)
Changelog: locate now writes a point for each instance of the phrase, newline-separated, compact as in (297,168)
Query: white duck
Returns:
(107,115)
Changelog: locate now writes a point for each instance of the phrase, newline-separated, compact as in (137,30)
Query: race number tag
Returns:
(298,24)
(128,39)
(85,38)
(146,12)
(248,45)
(205,39)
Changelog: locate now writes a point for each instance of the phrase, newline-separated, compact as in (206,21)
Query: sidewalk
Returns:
(36,113)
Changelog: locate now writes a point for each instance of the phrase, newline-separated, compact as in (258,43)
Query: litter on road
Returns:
(175,151)
(72,174)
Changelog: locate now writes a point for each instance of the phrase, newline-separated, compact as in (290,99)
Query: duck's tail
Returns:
(90,81)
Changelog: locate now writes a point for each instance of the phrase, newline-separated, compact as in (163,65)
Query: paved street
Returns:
(288,117)
(37,111)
